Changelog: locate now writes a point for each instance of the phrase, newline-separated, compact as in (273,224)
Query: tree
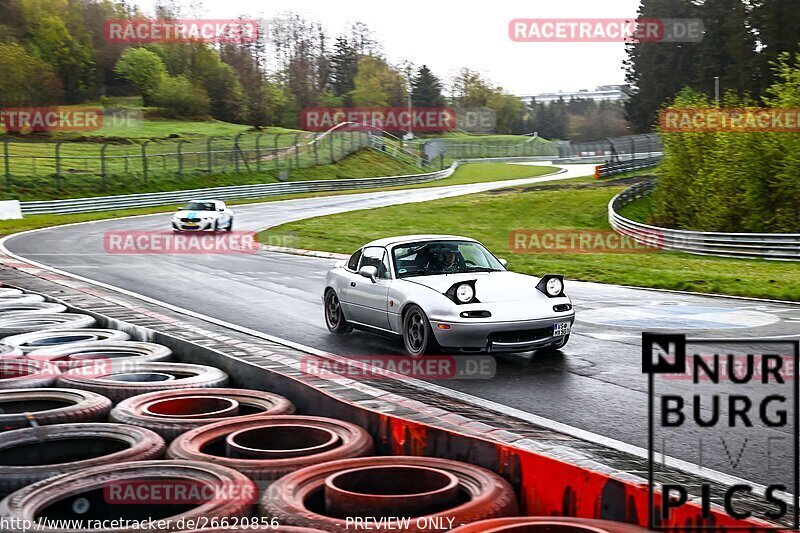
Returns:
(344,67)
(426,89)
(179,97)
(378,85)
(144,69)
(777,26)
(26,80)
(470,89)
(657,71)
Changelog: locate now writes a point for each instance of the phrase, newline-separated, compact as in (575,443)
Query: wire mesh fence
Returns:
(29,162)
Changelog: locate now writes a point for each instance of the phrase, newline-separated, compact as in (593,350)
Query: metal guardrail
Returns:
(612,168)
(775,246)
(241,192)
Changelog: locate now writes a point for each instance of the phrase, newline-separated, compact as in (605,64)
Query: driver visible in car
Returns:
(446,261)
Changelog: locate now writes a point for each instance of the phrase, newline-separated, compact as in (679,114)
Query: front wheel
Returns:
(230,225)
(334,316)
(417,333)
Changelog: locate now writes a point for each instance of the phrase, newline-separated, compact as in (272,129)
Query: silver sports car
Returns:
(444,291)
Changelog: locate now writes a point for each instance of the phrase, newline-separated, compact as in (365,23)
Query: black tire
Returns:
(230,225)
(102,353)
(33,454)
(19,408)
(69,494)
(418,336)
(334,316)
(15,325)
(43,340)
(185,376)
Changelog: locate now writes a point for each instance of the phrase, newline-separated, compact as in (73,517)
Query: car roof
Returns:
(202,201)
(400,239)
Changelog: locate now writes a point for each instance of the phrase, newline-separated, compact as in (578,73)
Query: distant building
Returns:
(611,93)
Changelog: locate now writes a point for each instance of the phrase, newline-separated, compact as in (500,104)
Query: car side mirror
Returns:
(370,272)
(503,262)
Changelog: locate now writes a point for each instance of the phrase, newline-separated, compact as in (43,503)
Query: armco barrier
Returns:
(239,192)
(547,482)
(776,246)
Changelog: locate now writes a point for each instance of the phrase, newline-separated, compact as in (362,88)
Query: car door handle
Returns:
(352,283)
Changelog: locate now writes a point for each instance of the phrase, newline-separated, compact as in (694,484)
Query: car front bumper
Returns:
(516,336)
(203,225)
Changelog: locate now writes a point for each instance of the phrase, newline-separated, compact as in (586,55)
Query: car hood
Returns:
(489,286)
(195,214)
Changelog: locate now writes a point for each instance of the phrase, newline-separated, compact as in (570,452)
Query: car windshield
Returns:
(200,206)
(443,257)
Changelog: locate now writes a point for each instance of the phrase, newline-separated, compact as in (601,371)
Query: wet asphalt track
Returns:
(595,383)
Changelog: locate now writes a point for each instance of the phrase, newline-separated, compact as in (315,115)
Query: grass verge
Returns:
(491,217)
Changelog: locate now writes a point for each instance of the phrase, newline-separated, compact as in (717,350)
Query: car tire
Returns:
(20,408)
(41,308)
(184,376)
(97,444)
(199,445)
(186,403)
(44,340)
(25,374)
(485,494)
(230,225)
(70,493)
(334,315)
(418,336)
(22,323)
(69,356)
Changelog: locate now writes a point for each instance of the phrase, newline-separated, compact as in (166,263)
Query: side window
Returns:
(352,264)
(376,257)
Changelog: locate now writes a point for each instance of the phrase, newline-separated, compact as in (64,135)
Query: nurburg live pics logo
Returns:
(723,394)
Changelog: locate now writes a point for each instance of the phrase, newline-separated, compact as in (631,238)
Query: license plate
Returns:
(560,329)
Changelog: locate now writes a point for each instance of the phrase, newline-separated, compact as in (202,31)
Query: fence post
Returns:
(6,140)
(277,153)
(236,151)
(330,144)
(258,151)
(144,160)
(316,153)
(180,158)
(208,154)
(297,149)
(633,152)
(103,165)
(58,164)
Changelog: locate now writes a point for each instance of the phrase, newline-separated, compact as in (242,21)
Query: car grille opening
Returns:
(522,335)
(562,307)
(190,220)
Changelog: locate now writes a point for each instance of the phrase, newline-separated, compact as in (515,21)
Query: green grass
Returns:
(490,217)
(364,164)
(639,210)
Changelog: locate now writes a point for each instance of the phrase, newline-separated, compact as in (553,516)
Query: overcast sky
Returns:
(450,34)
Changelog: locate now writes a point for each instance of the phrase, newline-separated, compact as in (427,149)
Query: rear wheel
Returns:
(417,333)
(334,316)
(230,225)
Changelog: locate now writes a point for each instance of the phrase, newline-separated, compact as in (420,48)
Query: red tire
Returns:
(549,524)
(76,495)
(489,495)
(120,381)
(172,412)
(32,454)
(19,408)
(207,444)
(24,374)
